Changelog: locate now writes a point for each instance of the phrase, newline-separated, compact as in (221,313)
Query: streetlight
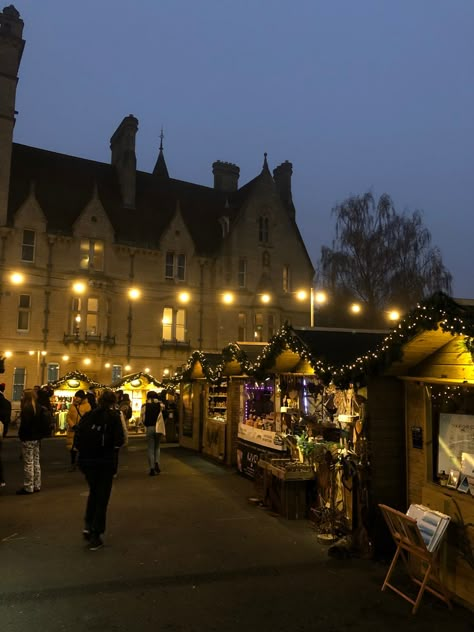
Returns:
(393,315)
(315,296)
(355,308)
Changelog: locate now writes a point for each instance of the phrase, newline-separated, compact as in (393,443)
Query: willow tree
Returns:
(381,258)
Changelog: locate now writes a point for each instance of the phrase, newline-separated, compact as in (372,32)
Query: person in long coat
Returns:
(79,407)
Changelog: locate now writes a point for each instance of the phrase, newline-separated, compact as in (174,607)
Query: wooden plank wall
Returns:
(386,436)
(416,458)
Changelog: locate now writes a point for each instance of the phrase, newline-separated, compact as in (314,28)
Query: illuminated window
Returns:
(242,274)
(85,316)
(175,266)
(24,311)
(92,255)
(174,324)
(28,245)
(92,316)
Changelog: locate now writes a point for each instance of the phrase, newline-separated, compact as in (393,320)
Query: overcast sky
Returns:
(358,94)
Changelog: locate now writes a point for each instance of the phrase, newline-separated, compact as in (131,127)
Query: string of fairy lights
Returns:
(440,311)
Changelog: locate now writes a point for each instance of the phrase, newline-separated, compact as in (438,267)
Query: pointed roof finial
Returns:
(265,164)
(160,167)
(161,138)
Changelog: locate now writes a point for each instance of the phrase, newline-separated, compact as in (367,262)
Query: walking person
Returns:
(34,426)
(79,407)
(5,410)
(99,436)
(149,416)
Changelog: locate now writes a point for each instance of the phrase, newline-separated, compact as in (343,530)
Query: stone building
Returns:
(121,271)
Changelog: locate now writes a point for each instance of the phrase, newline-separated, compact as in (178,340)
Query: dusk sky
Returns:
(358,94)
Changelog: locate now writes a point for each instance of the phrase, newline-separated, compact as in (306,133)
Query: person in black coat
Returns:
(98,437)
(5,410)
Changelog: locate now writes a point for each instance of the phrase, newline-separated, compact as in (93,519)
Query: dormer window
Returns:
(263,230)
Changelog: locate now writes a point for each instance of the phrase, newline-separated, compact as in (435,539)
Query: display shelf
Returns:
(217,399)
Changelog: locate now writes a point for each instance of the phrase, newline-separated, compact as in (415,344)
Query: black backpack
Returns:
(99,431)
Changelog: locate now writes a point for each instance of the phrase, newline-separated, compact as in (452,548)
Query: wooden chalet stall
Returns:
(136,386)
(64,390)
(316,417)
(202,394)
(422,426)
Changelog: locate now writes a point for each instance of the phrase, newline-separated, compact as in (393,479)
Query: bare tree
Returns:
(380,257)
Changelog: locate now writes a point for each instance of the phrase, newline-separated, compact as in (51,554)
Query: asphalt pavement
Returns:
(184,551)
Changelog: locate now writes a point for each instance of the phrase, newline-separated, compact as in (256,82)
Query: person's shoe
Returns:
(152,472)
(157,468)
(86,534)
(3,484)
(23,492)
(95,543)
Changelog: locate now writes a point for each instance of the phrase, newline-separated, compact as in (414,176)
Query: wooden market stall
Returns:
(136,386)
(202,405)
(64,389)
(423,401)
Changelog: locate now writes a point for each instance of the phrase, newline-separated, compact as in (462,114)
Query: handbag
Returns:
(160,424)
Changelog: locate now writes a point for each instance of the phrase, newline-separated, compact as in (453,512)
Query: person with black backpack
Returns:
(99,435)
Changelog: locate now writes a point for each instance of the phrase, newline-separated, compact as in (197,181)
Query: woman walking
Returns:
(34,425)
(149,416)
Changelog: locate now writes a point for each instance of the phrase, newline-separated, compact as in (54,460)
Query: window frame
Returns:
(96,257)
(175,266)
(18,386)
(24,311)
(174,330)
(25,245)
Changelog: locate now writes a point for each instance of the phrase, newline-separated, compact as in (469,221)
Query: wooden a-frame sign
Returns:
(410,543)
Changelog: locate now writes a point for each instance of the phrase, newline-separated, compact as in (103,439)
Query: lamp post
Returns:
(133,295)
(40,364)
(316,297)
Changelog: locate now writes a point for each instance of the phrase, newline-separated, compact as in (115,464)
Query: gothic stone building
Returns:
(78,235)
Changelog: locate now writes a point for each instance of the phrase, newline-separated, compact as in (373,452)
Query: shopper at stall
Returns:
(149,416)
(98,438)
(34,426)
(79,407)
(5,410)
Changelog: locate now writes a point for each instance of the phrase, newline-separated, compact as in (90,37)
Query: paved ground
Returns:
(185,551)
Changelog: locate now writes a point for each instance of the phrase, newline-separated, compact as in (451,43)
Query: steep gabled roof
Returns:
(63,185)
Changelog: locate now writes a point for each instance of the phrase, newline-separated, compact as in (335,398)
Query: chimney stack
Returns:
(282,176)
(226,176)
(122,145)
(11,50)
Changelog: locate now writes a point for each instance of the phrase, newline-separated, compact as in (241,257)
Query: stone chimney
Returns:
(122,145)
(11,50)
(282,176)
(226,176)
